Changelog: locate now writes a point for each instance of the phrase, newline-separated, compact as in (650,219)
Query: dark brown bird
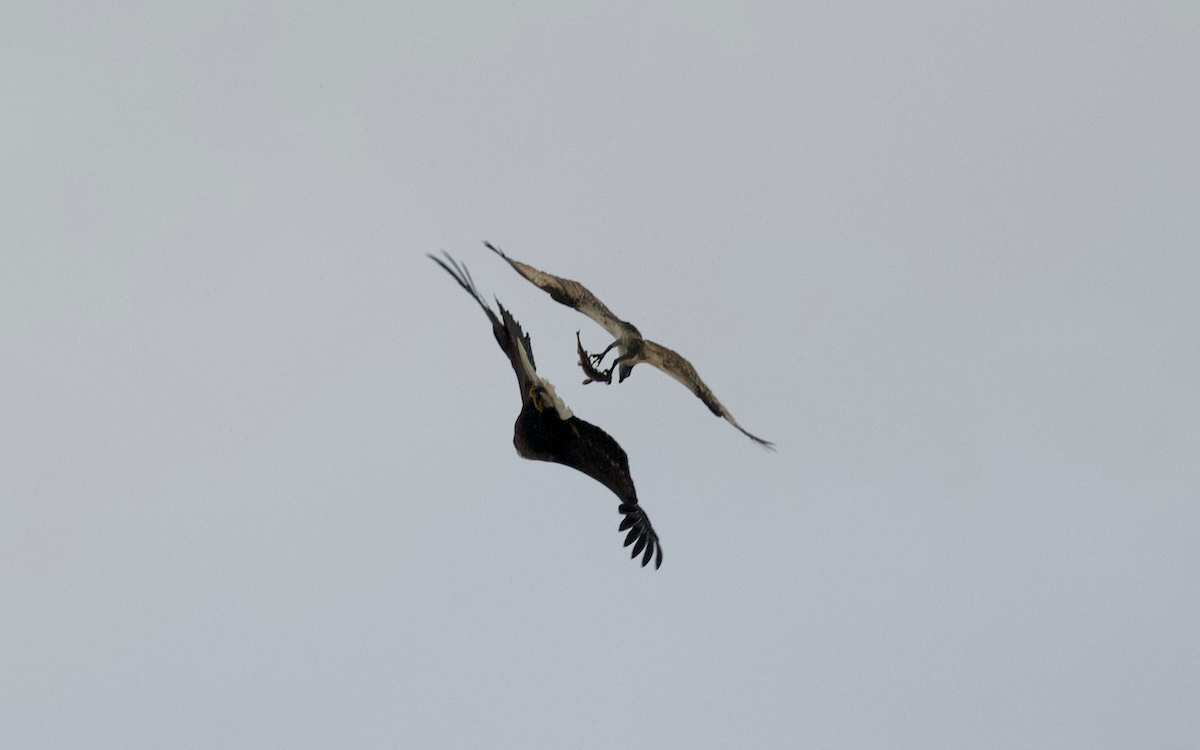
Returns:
(546,430)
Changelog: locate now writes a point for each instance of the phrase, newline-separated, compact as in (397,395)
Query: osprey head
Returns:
(632,346)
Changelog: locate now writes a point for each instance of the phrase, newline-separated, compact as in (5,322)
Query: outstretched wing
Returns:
(506,329)
(679,368)
(567,292)
(594,452)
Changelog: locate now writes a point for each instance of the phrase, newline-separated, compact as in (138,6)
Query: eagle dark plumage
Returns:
(632,348)
(546,430)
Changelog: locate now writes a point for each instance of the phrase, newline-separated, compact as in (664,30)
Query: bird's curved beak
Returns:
(533,395)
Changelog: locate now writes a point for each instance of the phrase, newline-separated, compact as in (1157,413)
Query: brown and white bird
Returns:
(546,430)
(632,348)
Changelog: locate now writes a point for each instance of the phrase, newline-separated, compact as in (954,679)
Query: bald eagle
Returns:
(632,349)
(546,430)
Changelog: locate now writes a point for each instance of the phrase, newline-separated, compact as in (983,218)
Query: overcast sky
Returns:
(257,480)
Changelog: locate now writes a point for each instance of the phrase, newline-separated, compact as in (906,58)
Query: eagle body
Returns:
(543,436)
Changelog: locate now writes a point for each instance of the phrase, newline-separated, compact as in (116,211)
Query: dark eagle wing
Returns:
(679,368)
(508,332)
(567,292)
(594,452)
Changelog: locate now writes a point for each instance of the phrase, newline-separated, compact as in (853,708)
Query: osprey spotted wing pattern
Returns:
(546,430)
(632,349)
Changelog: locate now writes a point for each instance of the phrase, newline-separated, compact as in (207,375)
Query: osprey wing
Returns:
(567,292)
(679,368)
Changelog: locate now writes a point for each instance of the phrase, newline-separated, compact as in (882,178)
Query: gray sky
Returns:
(257,478)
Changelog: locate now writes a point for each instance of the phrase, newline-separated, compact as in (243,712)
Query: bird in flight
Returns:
(632,349)
(546,430)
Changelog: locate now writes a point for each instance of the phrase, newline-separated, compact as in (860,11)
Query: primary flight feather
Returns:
(632,348)
(546,430)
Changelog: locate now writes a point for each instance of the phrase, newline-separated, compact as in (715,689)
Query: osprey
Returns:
(632,349)
(546,430)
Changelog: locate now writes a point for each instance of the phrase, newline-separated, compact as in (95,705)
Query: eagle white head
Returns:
(551,399)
